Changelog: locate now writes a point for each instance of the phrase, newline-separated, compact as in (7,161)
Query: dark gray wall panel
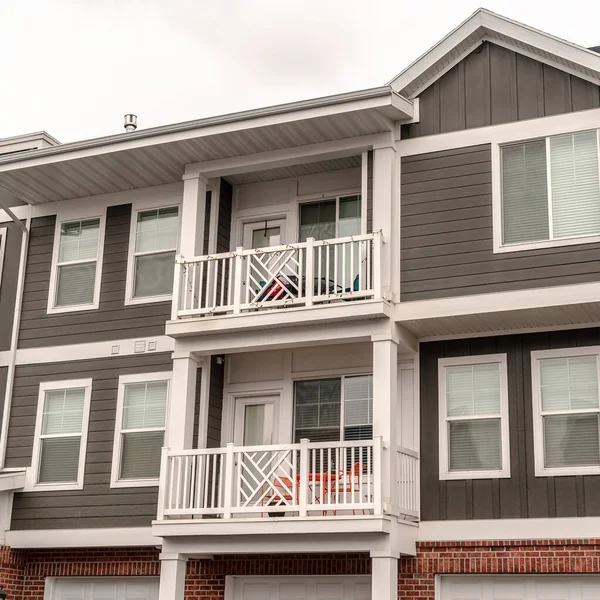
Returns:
(225,208)
(446,230)
(8,283)
(495,85)
(112,320)
(370,192)
(96,505)
(523,495)
(215,406)
(3,376)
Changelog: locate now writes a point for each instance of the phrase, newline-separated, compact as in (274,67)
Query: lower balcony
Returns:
(288,485)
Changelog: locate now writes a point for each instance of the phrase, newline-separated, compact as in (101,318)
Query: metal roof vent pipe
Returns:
(130,123)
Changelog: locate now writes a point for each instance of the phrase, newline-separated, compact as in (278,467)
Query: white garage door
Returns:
(521,587)
(302,588)
(102,588)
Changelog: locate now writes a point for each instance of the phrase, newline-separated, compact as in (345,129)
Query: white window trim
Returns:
(444,456)
(115,481)
(330,198)
(498,246)
(538,434)
(31,473)
(3,234)
(64,218)
(155,204)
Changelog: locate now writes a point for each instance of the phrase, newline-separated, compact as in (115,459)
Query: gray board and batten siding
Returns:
(97,504)
(495,85)
(523,495)
(8,284)
(447,238)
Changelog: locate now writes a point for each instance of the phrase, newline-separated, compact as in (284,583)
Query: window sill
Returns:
(52,487)
(148,300)
(566,471)
(587,239)
(451,475)
(58,310)
(134,483)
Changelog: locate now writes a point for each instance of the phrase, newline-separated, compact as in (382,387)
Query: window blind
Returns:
(60,438)
(142,432)
(575,184)
(472,398)
(358,407)
(524,193)
(570,439)
(155,248)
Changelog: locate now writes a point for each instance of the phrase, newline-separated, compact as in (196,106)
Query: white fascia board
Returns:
(560,295)
(21,212)
(283,158)
(374,99)
(82,538)
(510,529)
(14,480)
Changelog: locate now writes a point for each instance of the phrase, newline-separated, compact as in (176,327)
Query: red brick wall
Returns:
(12,569)
(417,575)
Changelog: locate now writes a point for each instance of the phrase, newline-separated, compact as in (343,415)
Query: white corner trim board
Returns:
(82,538)
(509,529)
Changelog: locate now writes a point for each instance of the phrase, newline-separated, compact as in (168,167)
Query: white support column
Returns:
(172,576)
(180,418)
(384,213)
(384,578)
(193,214)
(215,199)
(385,406)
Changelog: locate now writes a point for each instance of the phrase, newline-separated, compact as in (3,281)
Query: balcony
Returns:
(289,482)
(314,273)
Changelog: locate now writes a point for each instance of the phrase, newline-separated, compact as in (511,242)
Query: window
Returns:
(60,435)
(566,411)
(153,247)
(334,409)
(76,265)
(550,191)
(329,219)
(140,429)
(473,407)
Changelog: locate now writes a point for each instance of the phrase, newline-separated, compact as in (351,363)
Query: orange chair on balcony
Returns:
(280,492)
(351,483)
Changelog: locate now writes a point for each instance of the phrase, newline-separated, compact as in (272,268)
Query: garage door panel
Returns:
(109,588)
(302,588)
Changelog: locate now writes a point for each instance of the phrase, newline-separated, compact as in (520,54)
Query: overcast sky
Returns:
(74,67)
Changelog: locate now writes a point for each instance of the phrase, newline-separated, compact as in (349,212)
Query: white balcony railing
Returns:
(303,480)
(302,274)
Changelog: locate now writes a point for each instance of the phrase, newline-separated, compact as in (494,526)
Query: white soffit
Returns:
(485,25)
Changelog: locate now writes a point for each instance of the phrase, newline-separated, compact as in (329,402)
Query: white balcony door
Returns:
(264,234)
(255,420)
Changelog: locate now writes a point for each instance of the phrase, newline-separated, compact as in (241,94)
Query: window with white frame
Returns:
(473,411)
(153,249)
(140,429)
(76,270)
(60,435)
(566,411)
(550,190)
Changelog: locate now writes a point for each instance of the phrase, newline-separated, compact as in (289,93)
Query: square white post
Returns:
(172,576)
(180,417)
(384,578)
(384,214)
(385,406)
(193,214)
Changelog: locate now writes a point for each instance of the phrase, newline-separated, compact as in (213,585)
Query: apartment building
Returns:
(340,349)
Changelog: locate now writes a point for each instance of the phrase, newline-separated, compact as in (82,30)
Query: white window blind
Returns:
(570,411)
(142,429)
(154,252)
(77,263)
(551,189)
(60,437)
(473,410)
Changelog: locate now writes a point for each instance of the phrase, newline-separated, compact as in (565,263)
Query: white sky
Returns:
(74,67)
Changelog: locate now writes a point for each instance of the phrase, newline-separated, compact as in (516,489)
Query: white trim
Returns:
(62,218)
(3,235)
(91,350)
(21,212)
(153,204)
(115,481)
(538,435)
(83,538)
(31,473)
(444,471)
(554,528)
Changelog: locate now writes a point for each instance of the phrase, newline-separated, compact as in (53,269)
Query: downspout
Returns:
(12,360)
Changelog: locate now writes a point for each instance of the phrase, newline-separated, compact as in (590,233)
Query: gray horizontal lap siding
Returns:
(495,85)
(523,495)
(112,320)
(8,283)
(447,240)
(96,505)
